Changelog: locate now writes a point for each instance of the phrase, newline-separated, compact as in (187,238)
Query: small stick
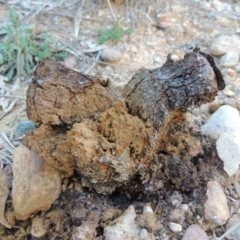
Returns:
(94,63)
(8,109)
(9,96)
(237,224)
(110,6)
(3,135)
(78,19)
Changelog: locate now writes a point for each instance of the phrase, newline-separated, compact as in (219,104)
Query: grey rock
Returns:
(215,206)
(24,127)
(224,127)
(230,59)
(125,227)
(237,68)
(111,55)
(224,44)
(36,184)
(195,232)
(228,148)
(225,120)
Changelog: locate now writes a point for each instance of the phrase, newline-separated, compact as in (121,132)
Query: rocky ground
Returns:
(153,212)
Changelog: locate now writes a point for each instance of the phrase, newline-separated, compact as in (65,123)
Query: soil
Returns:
(149,46)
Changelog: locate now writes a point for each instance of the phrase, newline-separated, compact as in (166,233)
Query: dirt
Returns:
(192,26)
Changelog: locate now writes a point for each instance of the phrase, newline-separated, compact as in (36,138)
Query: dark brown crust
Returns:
(220,81)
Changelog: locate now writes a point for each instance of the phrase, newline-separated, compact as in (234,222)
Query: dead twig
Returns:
(94,63)
(6,143)
(9,96)
(78,17)
(236,225)
(110,6)
(7,110)
(6,154)
(80,54)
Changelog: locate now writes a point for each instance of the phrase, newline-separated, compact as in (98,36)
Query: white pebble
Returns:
(175,227)
(147,209)
(230,59)
(184,207)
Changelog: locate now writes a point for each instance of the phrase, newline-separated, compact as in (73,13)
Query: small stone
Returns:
(143,234)
(159,211)
(229,72)
(151,44)
(176,215)
(185,207)
(86,231)
(230,59)
(220,6)
(235,196)
(228,93)
(175,227)
(101,13)
(214,105)
(237,68)
(24,127)
(224,44)
(228,149)
(70,62)
(195,232)
(164,19)
(147,209)
(10,217)
(230,101)
(205,108)
(233,234)
(174,57)
(157,59)
(215,206)
(225,120)
(123,227)
(38,229)
(36,184)
(224,127)
(111,55)
(134,49)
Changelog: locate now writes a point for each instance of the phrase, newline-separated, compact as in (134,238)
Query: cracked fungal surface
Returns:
(82,125)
